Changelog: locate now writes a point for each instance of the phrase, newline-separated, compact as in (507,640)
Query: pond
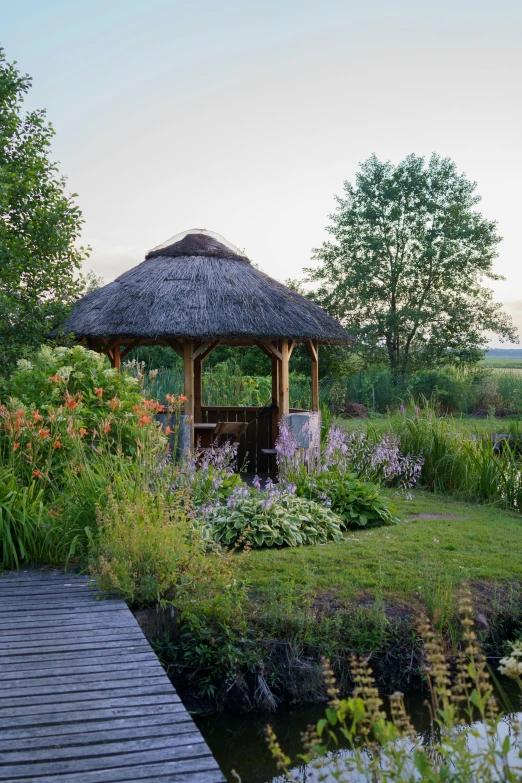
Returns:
(238,742)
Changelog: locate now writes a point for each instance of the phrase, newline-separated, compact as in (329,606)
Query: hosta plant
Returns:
(274,521)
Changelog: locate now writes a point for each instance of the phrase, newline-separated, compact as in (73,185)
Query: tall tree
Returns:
(406,268)
(39,225)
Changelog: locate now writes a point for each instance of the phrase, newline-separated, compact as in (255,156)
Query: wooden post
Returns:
(188,372)
(198,388)
(275,398)
(117,356)
(315,376)
(284,391)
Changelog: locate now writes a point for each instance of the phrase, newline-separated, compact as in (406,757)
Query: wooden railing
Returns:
(258,435)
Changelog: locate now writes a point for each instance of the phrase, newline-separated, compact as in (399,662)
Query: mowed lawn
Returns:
(439,543)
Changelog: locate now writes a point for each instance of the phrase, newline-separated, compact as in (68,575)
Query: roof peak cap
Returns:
(198,242)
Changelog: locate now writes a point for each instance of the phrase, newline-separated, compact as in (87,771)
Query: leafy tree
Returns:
(404,272)
(39,225)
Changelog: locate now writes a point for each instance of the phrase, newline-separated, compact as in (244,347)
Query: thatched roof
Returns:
(200,286)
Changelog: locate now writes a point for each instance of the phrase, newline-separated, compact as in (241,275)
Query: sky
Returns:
(246,118)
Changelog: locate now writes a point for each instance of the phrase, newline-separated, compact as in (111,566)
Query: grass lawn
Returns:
(439,543)
(463,423)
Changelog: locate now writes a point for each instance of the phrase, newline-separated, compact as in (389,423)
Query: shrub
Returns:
(150,550)
(71,392)
(356,502)
(274,521)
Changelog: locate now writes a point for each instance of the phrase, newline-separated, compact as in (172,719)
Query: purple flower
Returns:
(256,482)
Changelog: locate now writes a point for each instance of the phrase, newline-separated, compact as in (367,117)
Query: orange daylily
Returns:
(115,403)
(53,513)
(37,474)
(143,420)
(57,444)
(168,430)
(55,378)
(98,391)
(171,398)
(182,398)
(82,432)
(16,446)
(44,434)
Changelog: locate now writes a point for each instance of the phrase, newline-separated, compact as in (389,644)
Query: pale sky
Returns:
(245,118)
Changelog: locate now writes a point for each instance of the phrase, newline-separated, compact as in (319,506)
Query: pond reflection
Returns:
(238,741)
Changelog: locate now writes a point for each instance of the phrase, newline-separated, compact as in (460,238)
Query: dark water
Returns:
(238,742)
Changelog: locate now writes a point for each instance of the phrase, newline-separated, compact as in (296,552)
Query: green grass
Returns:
(417,561)
(463,423)
(501,363)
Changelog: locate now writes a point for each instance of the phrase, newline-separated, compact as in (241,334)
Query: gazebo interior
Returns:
(194,293)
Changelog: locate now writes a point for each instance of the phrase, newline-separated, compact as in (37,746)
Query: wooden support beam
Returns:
(275,398)
(117,356)
(176,346)
(211,348)
(203,349)
(129,347)
(291,348)
(271,348)
(198,388)
(312,347)
(315,378)
(188,375)
(284,390)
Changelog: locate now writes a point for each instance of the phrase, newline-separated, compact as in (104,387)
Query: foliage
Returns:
(387,748)
(149,548)
(21,515)
(332,476)
(274,521)
(39,229)
(57,420)
(405,270)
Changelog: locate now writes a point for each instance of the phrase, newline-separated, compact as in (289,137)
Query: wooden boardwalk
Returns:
(83,698)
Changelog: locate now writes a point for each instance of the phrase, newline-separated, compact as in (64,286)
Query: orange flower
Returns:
(98,392)
(36,416)
(182,398)
(43,434)
(71,403)
(53,513)
(83,432)
(143,420)
(20,413)
(106,426)
(115,403)
(37,474)
(171,398)
(16,446)
(57,444)
(168,431)
(55,378)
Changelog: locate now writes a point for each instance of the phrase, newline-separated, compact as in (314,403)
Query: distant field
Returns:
(502,363)
(464,423)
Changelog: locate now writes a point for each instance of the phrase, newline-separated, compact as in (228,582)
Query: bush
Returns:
(356,502)
(150,549)
(280,520)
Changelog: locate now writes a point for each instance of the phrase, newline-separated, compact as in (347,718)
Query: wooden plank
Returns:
(101,749)
(59,683)
(203,770)
(84,733)
(194,750)
(34,692)
(31,671)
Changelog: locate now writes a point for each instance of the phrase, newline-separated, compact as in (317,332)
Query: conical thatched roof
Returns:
(200,286)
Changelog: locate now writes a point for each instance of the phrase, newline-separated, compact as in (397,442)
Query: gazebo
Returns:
(197,291)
